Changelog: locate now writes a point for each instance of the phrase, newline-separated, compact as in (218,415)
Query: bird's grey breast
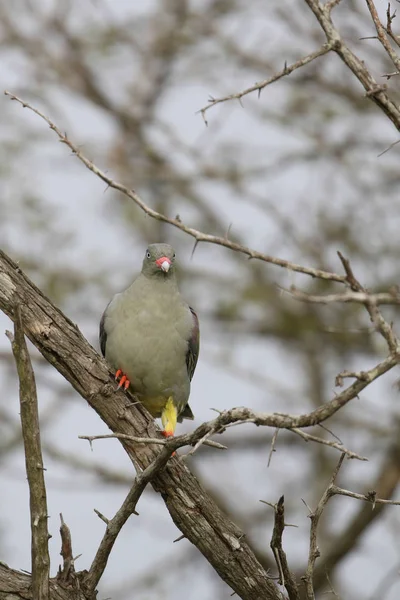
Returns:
(148,328)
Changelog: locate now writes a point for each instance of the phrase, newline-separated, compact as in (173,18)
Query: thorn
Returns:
(194,249)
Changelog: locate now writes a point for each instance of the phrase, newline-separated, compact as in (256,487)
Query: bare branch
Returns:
(198,235)
(337,445)
(369,497)
(66,574)
(343,542)
(391,298)
(382,37)
(375,315)
(314,552)
(60,341)
(286,578)
(257,87)
(389,20)
(376,93)
(33,461)
(178,441)
(115,525)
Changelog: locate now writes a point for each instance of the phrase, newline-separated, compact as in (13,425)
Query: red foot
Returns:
(167,434)
(124,381)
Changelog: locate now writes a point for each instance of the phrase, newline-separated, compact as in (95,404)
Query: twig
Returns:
(198,235)
(273,442)
(391,298)
(314,552)
(376,93)
(286,578)
(67,573)
(380,30)
(375,315)
(360,375)
(389,20)
(240,415)
(33,461)
(338,446)
(369,497)
(257,87)
(182,440)
(115,525)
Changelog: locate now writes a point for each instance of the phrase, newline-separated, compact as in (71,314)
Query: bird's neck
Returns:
(167,284)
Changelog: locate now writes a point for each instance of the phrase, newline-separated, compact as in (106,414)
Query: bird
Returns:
(150,337)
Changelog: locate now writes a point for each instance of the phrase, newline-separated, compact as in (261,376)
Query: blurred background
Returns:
(295,174)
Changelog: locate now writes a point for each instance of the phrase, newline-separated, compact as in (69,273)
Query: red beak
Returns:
(164,263)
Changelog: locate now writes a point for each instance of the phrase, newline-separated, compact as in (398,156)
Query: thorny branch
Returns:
(373,91)
(33,460)
(197,235)
(193,511)
(115,525)
(375,315)
(314,552)
(286,578)
(382,36)
(387,298)
(173,444)
(257,87)
(197,439)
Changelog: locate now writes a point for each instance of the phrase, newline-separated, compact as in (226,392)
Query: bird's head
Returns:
(159,260)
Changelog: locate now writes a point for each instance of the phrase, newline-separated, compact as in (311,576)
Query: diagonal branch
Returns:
(33,461)
(377,93)
(382,36)
(193,511)
(115,525)
(375,315)
(257,87)
(199,236)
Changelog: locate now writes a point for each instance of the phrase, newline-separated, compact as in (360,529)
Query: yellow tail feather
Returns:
(169,417)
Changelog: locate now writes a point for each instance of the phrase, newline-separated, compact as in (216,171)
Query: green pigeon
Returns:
(150,337)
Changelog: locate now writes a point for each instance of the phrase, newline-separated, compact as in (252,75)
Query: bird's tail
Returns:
(169,417)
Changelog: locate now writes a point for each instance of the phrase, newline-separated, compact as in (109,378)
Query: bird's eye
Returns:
(173,257)
(148,255)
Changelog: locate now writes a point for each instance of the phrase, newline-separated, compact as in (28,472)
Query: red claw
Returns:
(124,381)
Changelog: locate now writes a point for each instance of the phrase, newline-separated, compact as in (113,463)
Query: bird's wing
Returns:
(103,333)
(193,345)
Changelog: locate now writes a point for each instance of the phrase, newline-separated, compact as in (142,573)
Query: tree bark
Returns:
(192,510)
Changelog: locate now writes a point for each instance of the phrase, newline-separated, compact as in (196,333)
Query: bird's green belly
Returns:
(155,365)
(154,404)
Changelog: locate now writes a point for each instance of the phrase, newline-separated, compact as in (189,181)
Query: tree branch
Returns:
(115,525)
(315,516)
(192,509)
(376,93)
(33,460)
(197,235)
(382,37)
(341,544)
(375,315)
(287,579)
(257,87)
(388,298)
